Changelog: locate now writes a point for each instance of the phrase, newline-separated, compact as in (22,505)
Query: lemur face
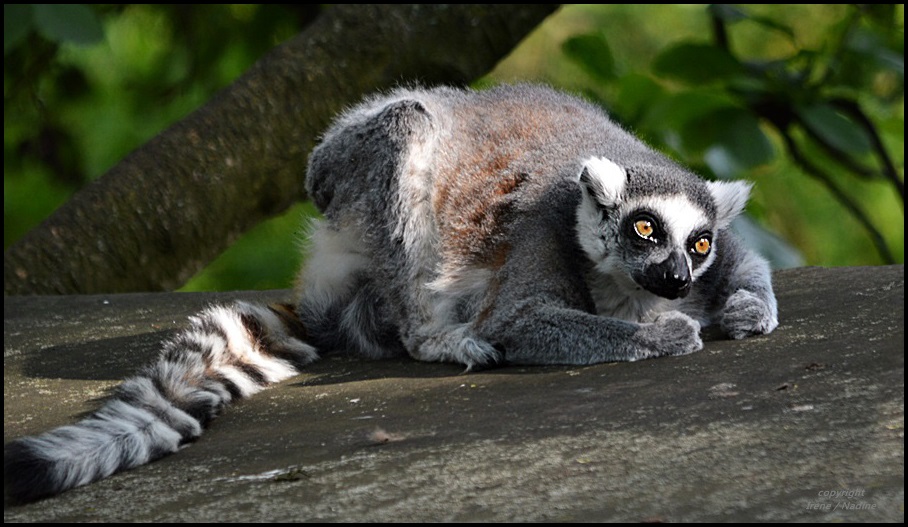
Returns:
(665,243)
(651,236)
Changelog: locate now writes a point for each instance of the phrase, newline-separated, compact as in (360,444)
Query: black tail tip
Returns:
(27,475)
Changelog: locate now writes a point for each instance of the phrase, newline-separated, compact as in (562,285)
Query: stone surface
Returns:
(806,424)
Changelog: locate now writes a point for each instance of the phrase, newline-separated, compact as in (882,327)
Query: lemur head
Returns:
(654,226)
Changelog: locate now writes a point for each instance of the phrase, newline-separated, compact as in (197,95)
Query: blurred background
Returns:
(806,101)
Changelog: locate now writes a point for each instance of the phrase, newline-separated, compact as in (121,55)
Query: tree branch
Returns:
(889,171)
(817,173)
(176,202)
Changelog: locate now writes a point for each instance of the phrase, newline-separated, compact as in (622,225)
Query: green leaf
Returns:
(834,128)
(592,53)
(636,96)
(17,23)
(662,120)
(697,64)
(673,111)
(73,23)
(732,139)
(872,46)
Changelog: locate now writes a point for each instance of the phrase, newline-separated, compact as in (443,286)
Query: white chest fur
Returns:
(617,296)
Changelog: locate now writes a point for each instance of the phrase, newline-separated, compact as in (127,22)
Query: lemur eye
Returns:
(644,228)
(701,246)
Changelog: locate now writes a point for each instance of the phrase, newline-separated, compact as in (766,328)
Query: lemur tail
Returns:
(227,353)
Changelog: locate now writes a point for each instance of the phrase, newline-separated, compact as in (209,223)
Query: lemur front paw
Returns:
(479,355)
(459,345)
(674,333)
(747,314)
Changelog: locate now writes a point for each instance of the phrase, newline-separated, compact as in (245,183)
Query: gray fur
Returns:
(482,248)
(517,224)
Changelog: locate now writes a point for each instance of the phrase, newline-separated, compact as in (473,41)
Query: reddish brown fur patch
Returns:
(473,202)
(482,174)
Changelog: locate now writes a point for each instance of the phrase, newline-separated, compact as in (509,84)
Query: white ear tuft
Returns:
(730,198)
(603,180)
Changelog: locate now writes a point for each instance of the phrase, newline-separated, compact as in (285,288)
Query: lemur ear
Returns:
(603,180)
(730,198)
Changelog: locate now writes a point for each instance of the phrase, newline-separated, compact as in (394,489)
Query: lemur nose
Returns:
(679,280)
(669,279)
(675,275)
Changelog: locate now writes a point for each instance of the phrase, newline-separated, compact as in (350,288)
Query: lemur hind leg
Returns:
(339,305)
(448,333)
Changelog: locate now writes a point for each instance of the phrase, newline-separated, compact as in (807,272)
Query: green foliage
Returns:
(695,63)
(593,54)
(805,100)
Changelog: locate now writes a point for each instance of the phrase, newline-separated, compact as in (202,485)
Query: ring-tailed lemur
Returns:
(515,225)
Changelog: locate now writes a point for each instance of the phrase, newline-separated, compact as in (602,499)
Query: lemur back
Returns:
(516,225)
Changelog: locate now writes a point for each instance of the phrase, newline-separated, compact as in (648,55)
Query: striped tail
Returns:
(227,353)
